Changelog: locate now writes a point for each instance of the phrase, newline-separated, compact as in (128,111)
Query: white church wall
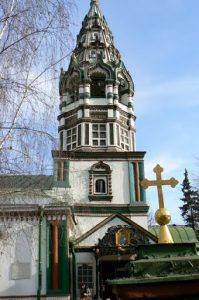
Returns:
(100,233)
(79,177)
(18,259)
(31,197)
(86,223)
(140,220)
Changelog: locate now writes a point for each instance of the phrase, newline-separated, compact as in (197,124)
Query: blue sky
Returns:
(159,43)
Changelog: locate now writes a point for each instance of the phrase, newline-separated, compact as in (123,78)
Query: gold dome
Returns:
(162,216)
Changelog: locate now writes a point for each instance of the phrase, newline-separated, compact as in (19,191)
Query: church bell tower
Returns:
(97,169)
(96,93)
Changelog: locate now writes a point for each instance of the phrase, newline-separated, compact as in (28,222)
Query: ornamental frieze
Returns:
(123,239)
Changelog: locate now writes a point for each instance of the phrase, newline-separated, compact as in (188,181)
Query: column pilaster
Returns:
(55,256)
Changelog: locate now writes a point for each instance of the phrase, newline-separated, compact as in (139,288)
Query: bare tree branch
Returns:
(6,19)
(34,39)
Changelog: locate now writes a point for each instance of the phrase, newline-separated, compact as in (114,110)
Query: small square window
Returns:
(102,127)
(95,142)
(68,140)
(68,147)
(95,127)
(95,134)
(102,142)
(102,134)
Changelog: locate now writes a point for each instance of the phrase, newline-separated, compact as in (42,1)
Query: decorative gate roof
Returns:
(123,239)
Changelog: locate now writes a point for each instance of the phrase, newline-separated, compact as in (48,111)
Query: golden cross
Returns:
(159,182)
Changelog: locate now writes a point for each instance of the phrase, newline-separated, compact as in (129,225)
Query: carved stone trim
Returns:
(100,169)
(112,243)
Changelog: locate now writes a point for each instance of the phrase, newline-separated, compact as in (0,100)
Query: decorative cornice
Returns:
(72,155)
(24,212)
(96,107)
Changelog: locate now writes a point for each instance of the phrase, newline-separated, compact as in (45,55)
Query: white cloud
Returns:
(180,92)
(167,162)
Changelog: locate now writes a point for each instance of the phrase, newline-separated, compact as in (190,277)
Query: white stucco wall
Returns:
(100,233)
(14,196)
(79,182)
(19,245)
(84,224)
(140,220)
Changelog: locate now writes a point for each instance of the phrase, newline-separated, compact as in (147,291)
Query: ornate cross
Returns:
(159,182)
(162,215)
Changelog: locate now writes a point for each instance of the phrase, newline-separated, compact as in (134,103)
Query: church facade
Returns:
(97,166)
(84,223)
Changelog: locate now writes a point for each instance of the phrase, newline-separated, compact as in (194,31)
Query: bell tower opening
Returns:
(98,85)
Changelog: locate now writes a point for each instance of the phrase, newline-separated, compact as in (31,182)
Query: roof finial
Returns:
(94,2)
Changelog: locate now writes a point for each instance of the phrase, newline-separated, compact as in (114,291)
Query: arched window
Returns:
(100,186)
(74,89)
(98,85)
(100,182)
(121,89)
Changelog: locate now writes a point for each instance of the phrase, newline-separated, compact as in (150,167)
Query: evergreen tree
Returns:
(190,208)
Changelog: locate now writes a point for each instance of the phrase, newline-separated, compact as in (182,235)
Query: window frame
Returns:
(124,134)
(69,145)
(100,171)
(97,178)
(80,279)
(99,132)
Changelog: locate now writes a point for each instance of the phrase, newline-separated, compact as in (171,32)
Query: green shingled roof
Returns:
(180,233)
(24,182)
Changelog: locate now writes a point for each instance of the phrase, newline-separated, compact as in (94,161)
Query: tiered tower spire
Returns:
(96,110)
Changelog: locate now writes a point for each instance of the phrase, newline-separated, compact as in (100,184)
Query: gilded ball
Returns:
(162,216)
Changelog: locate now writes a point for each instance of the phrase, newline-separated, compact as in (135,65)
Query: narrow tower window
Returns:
(98,86)
(99,134)
(71,139)
(124,139)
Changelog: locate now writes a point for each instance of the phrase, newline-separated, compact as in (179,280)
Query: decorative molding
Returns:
(122,239)
(96,107)
(100,198)
(99,115)
(73,155)
(100,170)
(110,218)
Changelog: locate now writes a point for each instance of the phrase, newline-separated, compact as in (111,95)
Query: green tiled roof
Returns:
(180,233)
(24,182)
